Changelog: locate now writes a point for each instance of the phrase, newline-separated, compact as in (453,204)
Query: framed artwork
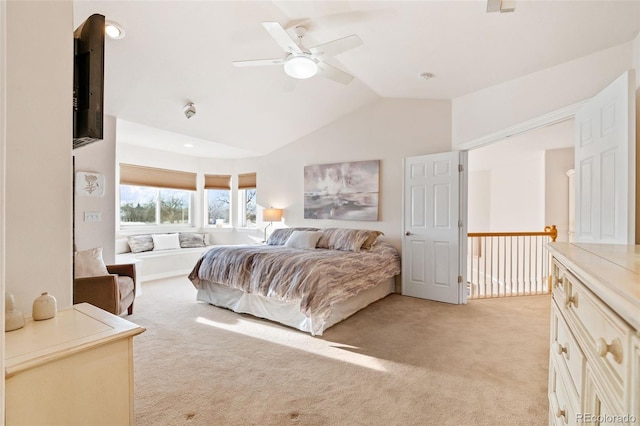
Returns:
(342,191)
(89,184)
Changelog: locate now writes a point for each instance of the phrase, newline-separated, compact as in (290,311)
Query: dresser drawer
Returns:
(565,351)
(563,406)
(603,336)
(560,285)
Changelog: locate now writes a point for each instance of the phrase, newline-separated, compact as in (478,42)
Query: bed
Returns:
(305,278)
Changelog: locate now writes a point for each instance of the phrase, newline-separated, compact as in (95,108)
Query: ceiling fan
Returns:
(300,62)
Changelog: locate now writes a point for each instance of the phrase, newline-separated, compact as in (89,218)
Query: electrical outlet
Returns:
(92,217)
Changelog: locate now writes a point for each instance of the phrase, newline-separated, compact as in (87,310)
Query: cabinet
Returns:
(594,358)
(74,369)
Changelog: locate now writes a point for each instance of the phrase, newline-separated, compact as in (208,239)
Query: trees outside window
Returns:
(140,205)
(218,207)
(250,207)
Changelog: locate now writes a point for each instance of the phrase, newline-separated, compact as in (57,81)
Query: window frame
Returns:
(242,208)
(125,226)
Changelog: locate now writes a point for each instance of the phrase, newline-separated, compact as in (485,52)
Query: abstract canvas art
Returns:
(342,191)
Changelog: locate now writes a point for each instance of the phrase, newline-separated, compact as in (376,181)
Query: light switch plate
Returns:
(92,216)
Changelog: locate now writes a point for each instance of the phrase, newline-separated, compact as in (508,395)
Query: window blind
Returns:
(131,174)
(247,181)
(217,182)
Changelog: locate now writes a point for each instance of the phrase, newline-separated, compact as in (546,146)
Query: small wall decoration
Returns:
(90,184)
(342,191)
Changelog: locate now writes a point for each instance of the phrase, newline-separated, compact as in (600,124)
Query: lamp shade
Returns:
(300,67)
(271,215)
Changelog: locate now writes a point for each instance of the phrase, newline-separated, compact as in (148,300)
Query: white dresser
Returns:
(594,361)
(74,369)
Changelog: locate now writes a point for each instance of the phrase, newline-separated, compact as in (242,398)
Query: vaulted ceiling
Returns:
(180,51)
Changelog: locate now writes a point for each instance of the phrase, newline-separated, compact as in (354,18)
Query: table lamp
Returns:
(270,215)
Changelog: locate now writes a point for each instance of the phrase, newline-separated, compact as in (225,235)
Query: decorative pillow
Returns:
(190,240)
(89,263)
(140,243)
(371,240)
(280,236)
(344,239)
(165,241)
(303,239)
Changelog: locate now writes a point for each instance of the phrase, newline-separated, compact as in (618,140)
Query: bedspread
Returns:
(314,278)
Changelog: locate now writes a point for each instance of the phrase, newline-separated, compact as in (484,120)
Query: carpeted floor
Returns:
(400,361)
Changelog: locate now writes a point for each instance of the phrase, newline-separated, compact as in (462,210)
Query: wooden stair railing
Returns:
(502,264)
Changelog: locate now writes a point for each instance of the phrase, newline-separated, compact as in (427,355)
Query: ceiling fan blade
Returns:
(281,37)
(336,47)
(332,73)
(258,62)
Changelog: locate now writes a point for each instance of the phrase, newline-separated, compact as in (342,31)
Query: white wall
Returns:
(387,130)
(517,195)
(3,145)
(636,66)
(479,201)
(498,107)
(557,163)
(38,211)
(98,157)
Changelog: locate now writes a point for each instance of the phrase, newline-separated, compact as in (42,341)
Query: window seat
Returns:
(157,264)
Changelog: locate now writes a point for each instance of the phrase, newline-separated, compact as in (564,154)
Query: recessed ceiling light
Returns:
(113,30)
(188,145)
(426,75)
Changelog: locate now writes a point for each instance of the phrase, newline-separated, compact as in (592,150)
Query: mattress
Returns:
(289,313)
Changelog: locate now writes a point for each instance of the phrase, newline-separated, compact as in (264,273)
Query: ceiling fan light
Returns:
(300,67)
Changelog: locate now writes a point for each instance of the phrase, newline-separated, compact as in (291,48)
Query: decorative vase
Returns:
(44,307)
(13,319)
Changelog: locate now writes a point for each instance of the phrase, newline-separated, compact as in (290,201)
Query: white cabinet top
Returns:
(70,331)
(611,271)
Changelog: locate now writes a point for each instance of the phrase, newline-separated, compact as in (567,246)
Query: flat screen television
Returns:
(88,81)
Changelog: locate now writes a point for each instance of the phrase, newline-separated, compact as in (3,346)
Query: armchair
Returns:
(114,293)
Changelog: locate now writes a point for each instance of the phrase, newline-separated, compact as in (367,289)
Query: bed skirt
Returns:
(288,313)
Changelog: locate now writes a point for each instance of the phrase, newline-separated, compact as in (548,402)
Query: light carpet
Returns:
(400,361)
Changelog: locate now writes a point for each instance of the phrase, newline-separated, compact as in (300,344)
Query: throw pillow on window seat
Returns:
(165,241)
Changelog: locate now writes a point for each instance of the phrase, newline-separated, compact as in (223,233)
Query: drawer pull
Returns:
(615,349)
(572,300)
(562,349)
(562,412)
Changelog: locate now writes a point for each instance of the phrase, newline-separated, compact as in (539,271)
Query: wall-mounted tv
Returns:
(88,81)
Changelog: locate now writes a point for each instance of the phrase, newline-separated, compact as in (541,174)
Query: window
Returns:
(140,205)
(218,194)
(151,196)
(248,206)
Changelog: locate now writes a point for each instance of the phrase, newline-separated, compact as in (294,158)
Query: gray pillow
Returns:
(280,236)
(190,240)
(140,243)
(303,239)
(346,239)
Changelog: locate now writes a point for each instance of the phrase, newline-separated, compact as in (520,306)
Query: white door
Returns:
(605,165)
(434,248)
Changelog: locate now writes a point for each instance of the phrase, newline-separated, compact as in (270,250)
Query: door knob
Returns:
(407,233)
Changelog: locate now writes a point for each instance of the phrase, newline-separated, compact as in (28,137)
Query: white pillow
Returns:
(303,239)
(165,241)
(89,263)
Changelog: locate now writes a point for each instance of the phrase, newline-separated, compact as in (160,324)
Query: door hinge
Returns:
(460,168)
(460,223)
(459,279)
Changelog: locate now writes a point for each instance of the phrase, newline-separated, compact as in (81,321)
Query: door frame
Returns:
(566,113)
